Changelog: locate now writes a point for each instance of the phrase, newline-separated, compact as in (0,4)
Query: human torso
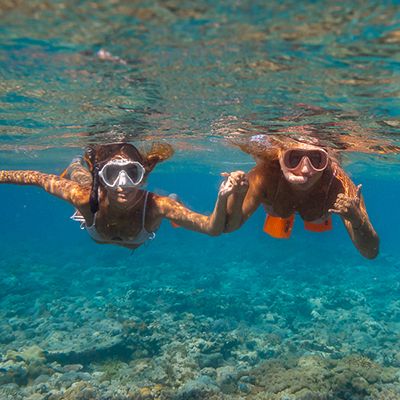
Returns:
(130,229)
(279,198)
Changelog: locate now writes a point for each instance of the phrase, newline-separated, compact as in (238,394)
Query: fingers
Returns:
(358,193)
(238,173)
(227,184)
(238,178)
(241,183)
(234,182)
(343,203)
(234,173)
(225,188)
(339,208)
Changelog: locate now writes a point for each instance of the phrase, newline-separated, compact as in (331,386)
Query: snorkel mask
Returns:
(318,158)
(112,165)
(122,173)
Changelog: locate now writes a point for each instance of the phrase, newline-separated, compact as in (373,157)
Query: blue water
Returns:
(240,316)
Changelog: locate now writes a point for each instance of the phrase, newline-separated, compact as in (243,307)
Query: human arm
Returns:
(77,172)
(351,207)
(212,225)
(242,204)
(64,189)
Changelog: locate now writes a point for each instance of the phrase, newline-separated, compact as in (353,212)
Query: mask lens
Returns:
(110,173)
(293,158)
(318,159)
(133,172)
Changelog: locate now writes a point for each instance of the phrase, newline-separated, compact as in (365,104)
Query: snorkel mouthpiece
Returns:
(296,179)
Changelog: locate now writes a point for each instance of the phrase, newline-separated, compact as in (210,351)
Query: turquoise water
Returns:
(241,316)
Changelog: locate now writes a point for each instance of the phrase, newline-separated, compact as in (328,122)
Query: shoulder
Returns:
(167,207)
(158,205)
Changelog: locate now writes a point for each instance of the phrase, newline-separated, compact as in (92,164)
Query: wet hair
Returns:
(262,147)
(266,148)
(96,156)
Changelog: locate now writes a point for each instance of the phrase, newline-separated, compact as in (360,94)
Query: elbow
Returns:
(231,227)
(372,251)
(370,254)
(214,232)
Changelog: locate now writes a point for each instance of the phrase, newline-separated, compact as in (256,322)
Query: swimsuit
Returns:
(142,237)
(281,228)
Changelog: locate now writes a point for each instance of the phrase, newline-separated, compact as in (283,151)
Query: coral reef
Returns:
(303,335)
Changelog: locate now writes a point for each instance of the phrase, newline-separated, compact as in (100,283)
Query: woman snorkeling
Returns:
(112,204)
(293,176)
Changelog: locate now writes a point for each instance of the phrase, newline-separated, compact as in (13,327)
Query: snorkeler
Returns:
(291,177)
(110,200)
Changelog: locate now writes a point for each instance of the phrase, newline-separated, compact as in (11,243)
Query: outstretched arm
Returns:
(351,207)
(53,184)
(212,225)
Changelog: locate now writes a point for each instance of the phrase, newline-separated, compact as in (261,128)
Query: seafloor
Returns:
(265,327)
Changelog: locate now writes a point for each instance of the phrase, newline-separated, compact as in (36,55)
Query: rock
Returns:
(211,372)
(41,379)
(213,360)
(227,379)
(69,378)
(197,389)
(244,387)
(13,372)
(72,367)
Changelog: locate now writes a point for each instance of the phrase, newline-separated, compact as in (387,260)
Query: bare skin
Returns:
(313,194)
(120,211)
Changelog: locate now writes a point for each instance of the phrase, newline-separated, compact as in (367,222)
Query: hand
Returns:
(349,207)
(235,182)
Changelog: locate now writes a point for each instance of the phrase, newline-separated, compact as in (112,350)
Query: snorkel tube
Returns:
(89,157)
(94,193)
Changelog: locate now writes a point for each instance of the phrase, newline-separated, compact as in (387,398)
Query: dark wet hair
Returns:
(97,156)
(102,153)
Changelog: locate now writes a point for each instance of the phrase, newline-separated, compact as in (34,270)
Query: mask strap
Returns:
(94,194)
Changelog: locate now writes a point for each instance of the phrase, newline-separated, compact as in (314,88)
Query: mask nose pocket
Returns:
(122,179)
